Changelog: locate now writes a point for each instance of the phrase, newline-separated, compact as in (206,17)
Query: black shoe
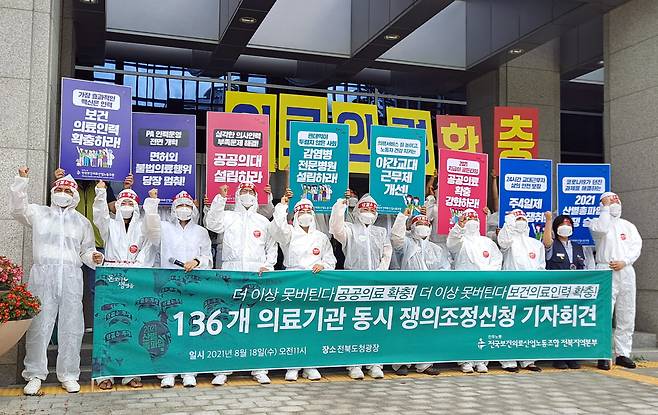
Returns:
(402,371)
(604,364)
(573,364)
(625,362)
(432,371)
(533,368)
(514,369)
(560,364)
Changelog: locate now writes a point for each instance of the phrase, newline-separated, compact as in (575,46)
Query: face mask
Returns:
(352,201)
(564,231)
(184,213)
(368,218)
(615,210)
(521,226)
(472,226)
(305,219)
(127,211)
(423,231)
(62,199)
(247,200)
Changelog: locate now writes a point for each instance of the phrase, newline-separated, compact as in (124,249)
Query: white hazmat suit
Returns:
(617,239)
(62,241)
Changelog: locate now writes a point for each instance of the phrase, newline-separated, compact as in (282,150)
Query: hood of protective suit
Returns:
(512,219)
(296,211)
(239,207)
(414,222)
(365,201)
(127,194)
(66,181)
(184,198)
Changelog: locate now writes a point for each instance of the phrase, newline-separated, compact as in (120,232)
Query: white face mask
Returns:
(126,211)
(351,202)
(423,231)
(564,231)
(521,226)
(615,210)
(368,218)
(247,200)
(305,219)
(62,199)
(472,226)
(184,213)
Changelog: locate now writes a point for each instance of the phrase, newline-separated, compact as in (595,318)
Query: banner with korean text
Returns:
(579,187)
(163,321)
(237,150)
(359,117)
(397,167)
(526,185)
(516,133)
(319,163)
(254,103)
(95,130)
(459,132)
(297,108)
(164,154)
(463,185)
(405,117)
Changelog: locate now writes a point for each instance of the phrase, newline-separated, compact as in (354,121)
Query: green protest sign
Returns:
(157,321)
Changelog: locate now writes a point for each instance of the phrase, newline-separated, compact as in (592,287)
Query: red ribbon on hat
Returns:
(367,205)
(128,195)
(418,218)
(183,195)
(471,215)
(67,183)
(518,212)
(304,206)
(250,186)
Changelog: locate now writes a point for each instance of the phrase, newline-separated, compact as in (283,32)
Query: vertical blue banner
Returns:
(579,189)
(319,162)
(527,185)
(397,166)
(164,154)
(95,130)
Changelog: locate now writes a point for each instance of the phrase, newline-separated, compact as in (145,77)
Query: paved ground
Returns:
(586,391)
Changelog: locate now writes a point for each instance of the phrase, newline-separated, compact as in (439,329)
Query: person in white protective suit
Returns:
(180,240)
(366,247)
(520,253)
(247,244)
(125,244)
(304,247)
(418,254)
(472,252)
(62,241)
(618,246)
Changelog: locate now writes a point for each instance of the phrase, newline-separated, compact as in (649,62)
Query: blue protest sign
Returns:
(95,142)
(164,154)
(397,167)
(319,162)
(526,184)
(579,189)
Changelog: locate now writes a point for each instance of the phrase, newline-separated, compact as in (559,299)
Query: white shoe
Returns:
(291,375)
(311,374)
(189,381)
(376,372)
(262,378)
(481,368)
(33,387)
(168,382)
(355,372)
(467,368)
(219,380)
(71,386)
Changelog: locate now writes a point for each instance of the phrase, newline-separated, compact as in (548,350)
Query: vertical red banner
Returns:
(462,185)
(237,152)
(458,132)
(516,133)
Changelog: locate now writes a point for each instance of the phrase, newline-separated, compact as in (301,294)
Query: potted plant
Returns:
(17,305)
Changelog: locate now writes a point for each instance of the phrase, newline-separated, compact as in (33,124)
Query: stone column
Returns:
(29,81)
(631,135)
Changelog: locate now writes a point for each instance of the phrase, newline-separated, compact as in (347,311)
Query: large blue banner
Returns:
(164,154)
(526,184)
(397,167)
(95,130)
(319,162)
(579,189)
